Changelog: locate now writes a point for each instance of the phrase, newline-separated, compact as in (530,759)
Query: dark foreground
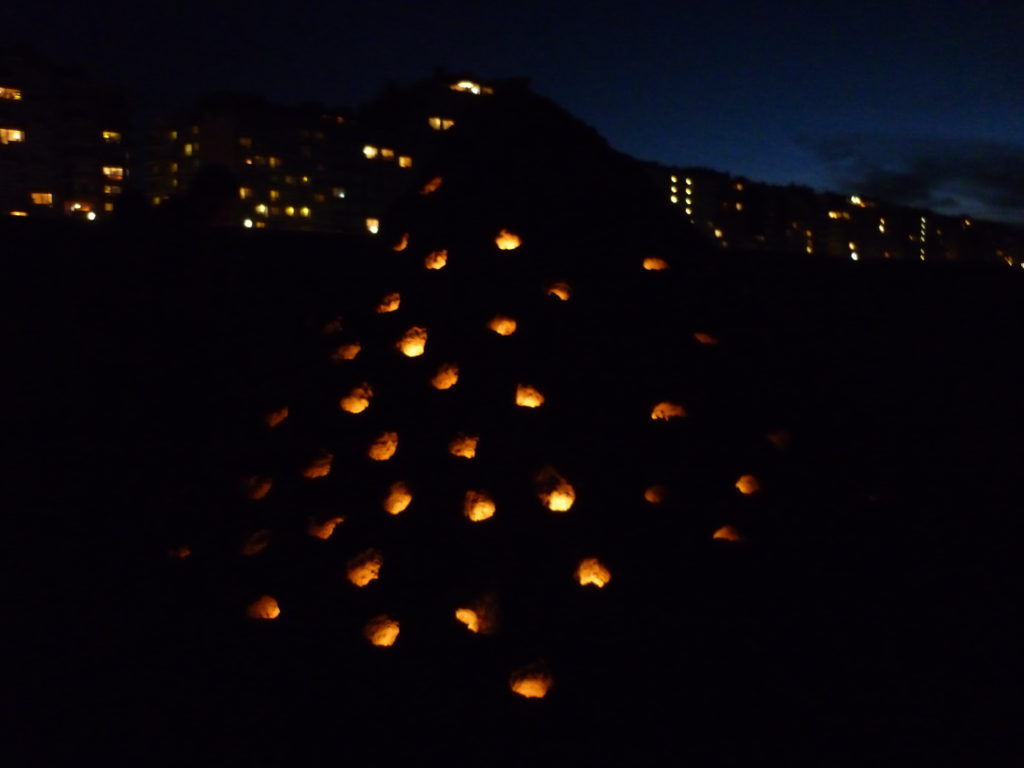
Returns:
(864,619)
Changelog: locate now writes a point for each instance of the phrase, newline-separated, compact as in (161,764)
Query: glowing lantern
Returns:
(747,484)
(264,607)
(463,446)
(555,491)
(358,400)
(502,325)
(479,616)
(559,290)
(779,439)
(402,244)
(389,303)
(528,397)
(530,683)
(414,342)
(180,553)
(446,377)
(431,186)
(256,543)
(655,264)
(726,533)
(384,447)
(275,418)
(664,411)
(398,499)
(705,338)
(478,506)
(381,630)
(365,567)
(346,352)
(506,241)
(469,617)
(655,494)
(320,467)
(325,529)
(592,571)
(436,259)
(332,326)
(257,487)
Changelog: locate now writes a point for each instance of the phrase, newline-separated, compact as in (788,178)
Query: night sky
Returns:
(914,102)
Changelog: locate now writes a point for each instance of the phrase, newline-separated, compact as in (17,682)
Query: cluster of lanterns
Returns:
(552,490)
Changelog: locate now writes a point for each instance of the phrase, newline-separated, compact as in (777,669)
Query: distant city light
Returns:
(373,226)
(247,223)
(91,216)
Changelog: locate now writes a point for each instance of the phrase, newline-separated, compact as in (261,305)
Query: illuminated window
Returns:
(289,211)
(373,226)
(172,135)
(387,154)
(174,167)
(674,179)
(174,182)
(839,214)
(42,198)
(319,197)
(440,123)
(188,149)
(718,233)
(689,182)
(289,179)
(247,223)
(261,209)
(739,206)
(275,195)
(305,179)
(113,172)
(111,137)
(370,151)
(881,226)
(338,192)
(274,162)
(245,141)
(689,211)
(468,86)
(404,161)
(689,190)
(157,200)
(673,199)
(739,187)
(108,206)
(304,212)
(73,207)
(111,189)
(11,135)
(244,193)
(18,213)
(195,130)
(10,94)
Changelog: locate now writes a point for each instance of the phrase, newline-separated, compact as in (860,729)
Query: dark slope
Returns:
(861,620)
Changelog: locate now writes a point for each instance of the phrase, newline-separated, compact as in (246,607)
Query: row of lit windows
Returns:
(371,152)
(440,123)
(275,210)
(9,94)
(688,199)
(468,86)
(245,193)
(272,161)
(10,135)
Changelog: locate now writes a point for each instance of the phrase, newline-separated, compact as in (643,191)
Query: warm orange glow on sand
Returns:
(320,467)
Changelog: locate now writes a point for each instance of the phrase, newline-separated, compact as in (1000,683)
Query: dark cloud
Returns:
(953,176)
